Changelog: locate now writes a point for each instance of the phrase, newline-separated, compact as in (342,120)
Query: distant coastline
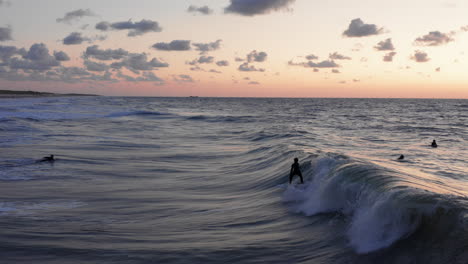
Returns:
(23,94)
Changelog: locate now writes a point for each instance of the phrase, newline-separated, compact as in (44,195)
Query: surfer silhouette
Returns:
(402,157)
(295,170)
(434,144)
(49,159)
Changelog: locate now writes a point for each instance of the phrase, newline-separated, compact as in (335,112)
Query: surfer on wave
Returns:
(295,170)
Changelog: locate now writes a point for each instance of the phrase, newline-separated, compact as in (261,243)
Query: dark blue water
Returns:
(205,180)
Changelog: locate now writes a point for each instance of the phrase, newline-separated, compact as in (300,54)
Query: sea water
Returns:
(205,180)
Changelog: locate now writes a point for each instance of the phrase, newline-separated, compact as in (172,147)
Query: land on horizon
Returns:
(21,94)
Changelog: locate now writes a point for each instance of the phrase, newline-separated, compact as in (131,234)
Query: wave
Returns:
(137,113)
(382,206)
(228,118)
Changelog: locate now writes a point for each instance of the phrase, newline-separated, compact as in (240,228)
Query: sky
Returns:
(236,48)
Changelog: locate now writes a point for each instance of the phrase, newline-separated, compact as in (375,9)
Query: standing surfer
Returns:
(295,170)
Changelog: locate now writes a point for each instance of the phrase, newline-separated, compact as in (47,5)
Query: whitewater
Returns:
(205,180)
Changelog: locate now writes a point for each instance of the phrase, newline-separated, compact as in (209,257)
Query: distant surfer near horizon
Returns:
(49,159)
(402,157)
(434,144)
(295,170)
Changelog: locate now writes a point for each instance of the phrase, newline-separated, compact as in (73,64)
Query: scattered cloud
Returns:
(5,3)
(36,58)
(104,55)
(434,38)
(215,71)
(257,7)
(420,56)
(136,62)
(103,26)
(249,68)
(385,45)
(335,71)
(311,57)
(5,33)
(61,56)
(75,38)
(201,60)
(96,66)
(222,63)
(175,45)
(311,64)
(389,56)
(337,56)
(206,47)
(437,69)
(204,10)
(147,76)
(134,28)
(255,56)
(253,83)
(357,29)
(183,78)
(75,16)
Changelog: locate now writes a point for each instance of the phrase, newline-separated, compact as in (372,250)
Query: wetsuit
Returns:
(295,170)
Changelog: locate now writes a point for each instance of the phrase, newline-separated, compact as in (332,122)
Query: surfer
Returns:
(295,170)
(401,157)
(434,144)
(49,159)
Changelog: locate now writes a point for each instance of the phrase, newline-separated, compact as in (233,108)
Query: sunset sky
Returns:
(241,48)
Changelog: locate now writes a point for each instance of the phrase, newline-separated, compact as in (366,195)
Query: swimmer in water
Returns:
(295,170)
(402,157)
(434,144)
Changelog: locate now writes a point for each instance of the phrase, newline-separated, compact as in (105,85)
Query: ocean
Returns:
(205,180)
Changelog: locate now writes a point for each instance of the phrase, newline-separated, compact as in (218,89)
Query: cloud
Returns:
(75,16)
(61,56)
(337,56)
(204,10)
(36,58)
(257,7)
(434,38)
(215,71)
(145,77)
(311,57)
(175,45)
(257,56)
(75,38)
(201,60)
(136,62)
(107,54)
(103,26)
(6,52)
(222,63)
(206,47)
(96,66)
(5,33)
(5,3)
(389,56)
(385,45)
(134,28)
(335,71)
(437,69)
(183,78)
(357,28)
(253,83)
(311,64)
(420,56)
(249,68)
